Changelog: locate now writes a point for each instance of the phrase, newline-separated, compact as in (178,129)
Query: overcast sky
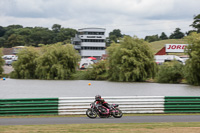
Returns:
(132,17)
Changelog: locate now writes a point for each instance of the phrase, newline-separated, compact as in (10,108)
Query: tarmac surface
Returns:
(86,120)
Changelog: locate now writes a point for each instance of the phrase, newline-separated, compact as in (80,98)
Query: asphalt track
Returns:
(86,120)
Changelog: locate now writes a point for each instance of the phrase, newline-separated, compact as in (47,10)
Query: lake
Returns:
(15,88)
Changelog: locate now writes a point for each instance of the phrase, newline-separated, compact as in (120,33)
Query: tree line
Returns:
(17,35)
(116,34)
(130,60)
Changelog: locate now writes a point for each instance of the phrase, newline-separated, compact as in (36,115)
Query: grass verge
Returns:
(102,128)
(158,45)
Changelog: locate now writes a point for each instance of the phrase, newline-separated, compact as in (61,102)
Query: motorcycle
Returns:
(103,112)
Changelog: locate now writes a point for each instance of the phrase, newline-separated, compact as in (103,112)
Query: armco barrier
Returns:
(182,104)
(128,104)
(29,106)
(79,105)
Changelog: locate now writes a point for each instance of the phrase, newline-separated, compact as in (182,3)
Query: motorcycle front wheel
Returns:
(91,114)
(118,113)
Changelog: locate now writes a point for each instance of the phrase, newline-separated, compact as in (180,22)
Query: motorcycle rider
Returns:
(100,100)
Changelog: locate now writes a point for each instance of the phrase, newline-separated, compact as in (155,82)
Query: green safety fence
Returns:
(42,106)
(28,106)
(182,104)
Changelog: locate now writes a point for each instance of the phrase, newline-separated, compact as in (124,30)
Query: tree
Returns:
(15,40)
(15,35)
(116,32)
(131,60)
(57,62)
(97,72)
(56,28)
(170,72)
(2,31)
(114,36)
(40,35)
(2,41)
(177,34)
(189,32)
(14,27)
(1,62)
(151,38)
(65,34)
(163,36)
(196,23)
(25,66)
(192,67)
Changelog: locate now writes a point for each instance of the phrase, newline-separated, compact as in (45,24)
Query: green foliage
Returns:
(151,38)
(57,62)
(170,72)
(17,35)
(196,23)
(163,36)
(1,61)
(116,32)
(24,67)
(56,27)
(192,67)
(114,36)
(97,72)
(15,40)
(2,31)
(131,60)
(177,34)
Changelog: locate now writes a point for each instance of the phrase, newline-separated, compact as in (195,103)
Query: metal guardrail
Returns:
(28,106)
(182,104)
(128,104)
(79,105)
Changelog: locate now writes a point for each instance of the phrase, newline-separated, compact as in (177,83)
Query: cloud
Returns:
(140,17)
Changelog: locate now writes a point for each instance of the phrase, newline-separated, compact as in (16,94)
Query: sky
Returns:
(133,17)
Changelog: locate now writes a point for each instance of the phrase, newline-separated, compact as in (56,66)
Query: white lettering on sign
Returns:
(94,37)
(175,48)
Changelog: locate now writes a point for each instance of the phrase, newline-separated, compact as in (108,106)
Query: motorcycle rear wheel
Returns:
(91,114)
(118,113)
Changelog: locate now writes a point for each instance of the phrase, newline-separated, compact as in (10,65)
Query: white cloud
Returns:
(133,17)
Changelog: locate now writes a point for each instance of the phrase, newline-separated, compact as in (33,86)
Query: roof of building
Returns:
(7,51)
(92,29)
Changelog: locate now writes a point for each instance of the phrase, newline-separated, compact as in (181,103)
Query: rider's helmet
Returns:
(97,97)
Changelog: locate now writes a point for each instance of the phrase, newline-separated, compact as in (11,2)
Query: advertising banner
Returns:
(175,48)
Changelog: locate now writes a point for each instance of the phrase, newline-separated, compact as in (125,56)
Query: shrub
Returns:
(170,72)
(131,60)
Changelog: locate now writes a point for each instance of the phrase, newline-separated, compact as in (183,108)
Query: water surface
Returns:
(14,88)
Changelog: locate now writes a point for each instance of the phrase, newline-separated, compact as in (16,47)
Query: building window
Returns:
(92,48)
(91,33)
(93,40)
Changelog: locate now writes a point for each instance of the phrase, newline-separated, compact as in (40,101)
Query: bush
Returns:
(57,62)
(170,72)
(24,67)
(97,72)
(192,66)
(53,62)
(131,60)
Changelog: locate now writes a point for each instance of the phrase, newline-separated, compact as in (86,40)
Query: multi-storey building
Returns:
(90,42)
